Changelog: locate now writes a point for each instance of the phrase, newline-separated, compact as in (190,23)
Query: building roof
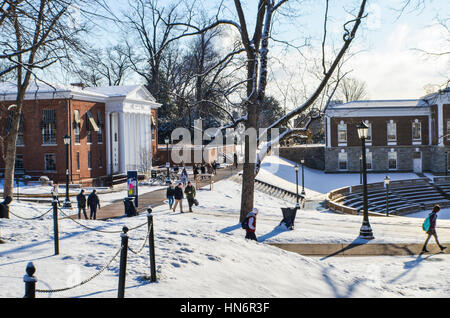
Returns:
(380,104)
(41,90)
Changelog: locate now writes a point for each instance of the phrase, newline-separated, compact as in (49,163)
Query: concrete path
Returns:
(155,198)
(333,250)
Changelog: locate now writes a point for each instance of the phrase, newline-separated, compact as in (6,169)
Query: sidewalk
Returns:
(153,199)
(333,250)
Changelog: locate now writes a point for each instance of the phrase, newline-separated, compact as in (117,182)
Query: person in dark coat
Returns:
(203,169)
(196,176)
(432,229)
(81,200)
(178,194)
(190,195)
(214,166)
(93,202)
(235,160)
(170,194)
(4,208)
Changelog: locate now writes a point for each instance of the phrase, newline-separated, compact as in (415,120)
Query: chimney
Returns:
(80,84)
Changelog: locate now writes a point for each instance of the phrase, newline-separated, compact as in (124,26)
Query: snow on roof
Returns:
(380,104)
(113,91)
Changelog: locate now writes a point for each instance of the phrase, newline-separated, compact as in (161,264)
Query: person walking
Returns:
(170,194)
(81,200)
(214,166)
(190,195)
(432,229)
(178,194)
(203,169)
(251,225)
(184,177)
(93,202)
(235,160)
(4,208)
(196,177)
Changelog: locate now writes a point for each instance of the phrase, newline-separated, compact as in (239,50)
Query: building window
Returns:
(50,162)
(100,160)
(20,139)
(392,160)
(48,126)
(391,131)
(19,162)
(89,159)
(342,161)
(416,131)
(78,161)
(77,126)
(342,133)
(369,136)
(100,128)
(369,160)
(91,125)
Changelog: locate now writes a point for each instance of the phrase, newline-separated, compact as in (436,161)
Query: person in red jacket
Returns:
(432,229)
(251,228)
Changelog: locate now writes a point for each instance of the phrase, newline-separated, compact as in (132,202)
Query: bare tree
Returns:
(34,36)
(351,89)
(256,49)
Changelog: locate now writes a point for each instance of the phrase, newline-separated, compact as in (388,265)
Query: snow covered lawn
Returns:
(204,254)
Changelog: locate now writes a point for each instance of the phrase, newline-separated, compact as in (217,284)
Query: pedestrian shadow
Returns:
(410,266)
(357,242)
(229,229)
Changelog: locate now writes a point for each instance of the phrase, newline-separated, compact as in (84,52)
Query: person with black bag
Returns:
(190,195)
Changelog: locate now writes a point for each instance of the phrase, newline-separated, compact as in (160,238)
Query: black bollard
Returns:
(151,245)
(30,281)
(123,263)
(55,226)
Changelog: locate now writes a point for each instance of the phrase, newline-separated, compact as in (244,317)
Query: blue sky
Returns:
(388,62)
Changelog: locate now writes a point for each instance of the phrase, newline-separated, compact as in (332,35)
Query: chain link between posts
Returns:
(33,218)
(51,291)
(143,245)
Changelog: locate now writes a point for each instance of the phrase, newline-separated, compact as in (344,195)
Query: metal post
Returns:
(446,163)
(30,281)
(167,164)
(151,245)
(18,188)
(55,225)
(303,178)
(387,199)
(366,230)
(360,171)
(297,206)
(123,263)
(67,203)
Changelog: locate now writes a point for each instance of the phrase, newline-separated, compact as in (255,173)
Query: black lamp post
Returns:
(67,203)
(303,176)
(297,206)
(386,183)
(366,230)
(167,141)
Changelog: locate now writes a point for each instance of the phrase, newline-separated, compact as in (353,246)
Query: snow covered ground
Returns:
(204,254)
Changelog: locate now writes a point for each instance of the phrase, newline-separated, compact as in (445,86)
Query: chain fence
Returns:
(143,245)
(97,230)
(33,218)
(51,291)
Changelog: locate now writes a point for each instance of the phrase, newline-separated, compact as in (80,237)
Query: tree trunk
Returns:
(10,156)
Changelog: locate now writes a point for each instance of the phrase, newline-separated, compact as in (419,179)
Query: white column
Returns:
(440,119)
(108,142)
(122,145)
(328,131)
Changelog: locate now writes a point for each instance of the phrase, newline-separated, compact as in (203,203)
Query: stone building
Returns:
(112,130)
(404,135)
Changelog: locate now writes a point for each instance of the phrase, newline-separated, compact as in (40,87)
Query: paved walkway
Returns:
(155,198)
(333,250)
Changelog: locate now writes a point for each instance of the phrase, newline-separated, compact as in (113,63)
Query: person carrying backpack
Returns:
(431,230)
(249,224)
(170,194)
(93,201)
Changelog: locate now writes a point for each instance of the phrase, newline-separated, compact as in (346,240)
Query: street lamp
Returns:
(167,141)
(67,203)
(366,230)
(386,183)
(297,206)
(303,176)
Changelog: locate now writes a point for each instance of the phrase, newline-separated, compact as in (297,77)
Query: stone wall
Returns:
(314,155)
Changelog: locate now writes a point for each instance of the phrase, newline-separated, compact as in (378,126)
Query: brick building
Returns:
(112,130)
(404,135)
